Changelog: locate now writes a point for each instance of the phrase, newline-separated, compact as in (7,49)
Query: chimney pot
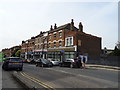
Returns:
(80,27)
(51,28)
(72,24)
(55,27)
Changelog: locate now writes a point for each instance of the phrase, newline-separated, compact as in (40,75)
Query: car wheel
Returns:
(42,65)
(60,65)
(20,69)
(71,65)
(3,67)
(36,65)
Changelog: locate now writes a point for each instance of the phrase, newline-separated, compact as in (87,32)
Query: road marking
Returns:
(92,78)
(34,81)
(37,81)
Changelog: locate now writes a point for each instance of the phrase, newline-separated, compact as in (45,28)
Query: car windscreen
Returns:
(68,60)
(76,60)
(15,59)
(45,60)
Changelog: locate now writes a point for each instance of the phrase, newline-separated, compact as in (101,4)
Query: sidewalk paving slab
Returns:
(103,66)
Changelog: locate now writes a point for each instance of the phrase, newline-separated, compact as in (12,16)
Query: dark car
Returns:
(71,63)
(32,61)
(43,63)
(13,63)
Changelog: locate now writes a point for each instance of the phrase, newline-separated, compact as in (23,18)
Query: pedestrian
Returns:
(84,60)
(80,61)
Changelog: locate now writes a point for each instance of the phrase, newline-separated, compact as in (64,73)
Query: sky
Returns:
(22,19)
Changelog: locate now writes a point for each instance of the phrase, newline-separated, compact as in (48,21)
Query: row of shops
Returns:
(54,54)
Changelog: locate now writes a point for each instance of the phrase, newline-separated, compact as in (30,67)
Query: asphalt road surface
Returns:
(64,77)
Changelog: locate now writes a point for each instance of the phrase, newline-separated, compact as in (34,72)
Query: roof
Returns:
(65,26)
(89,35)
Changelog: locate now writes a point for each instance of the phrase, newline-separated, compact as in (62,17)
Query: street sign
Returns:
(62,51)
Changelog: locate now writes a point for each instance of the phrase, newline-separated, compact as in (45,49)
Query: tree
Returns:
(118,45)
(13,53)
(17,54)
(116,51)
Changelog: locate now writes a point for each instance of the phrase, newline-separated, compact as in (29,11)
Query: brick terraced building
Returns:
(68,41)
(40,50)
(59,43)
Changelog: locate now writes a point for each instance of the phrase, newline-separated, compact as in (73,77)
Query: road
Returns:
(63,77)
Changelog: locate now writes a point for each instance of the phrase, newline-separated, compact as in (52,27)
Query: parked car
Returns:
(43,63)
(32,61)
(13,63)
(71,63)
(25,61)
(54,62)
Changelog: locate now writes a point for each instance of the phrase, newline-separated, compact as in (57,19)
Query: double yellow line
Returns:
(37,81)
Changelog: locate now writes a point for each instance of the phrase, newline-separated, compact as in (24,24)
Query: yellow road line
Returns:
(37,81)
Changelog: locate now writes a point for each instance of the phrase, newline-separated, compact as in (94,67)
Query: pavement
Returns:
(103,66)
(30,85)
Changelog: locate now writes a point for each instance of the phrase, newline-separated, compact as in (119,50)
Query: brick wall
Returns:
(86,43)
(55,39)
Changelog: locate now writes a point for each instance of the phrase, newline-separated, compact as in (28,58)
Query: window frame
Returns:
(55,35)
(60,44)
(54,44)
(60,34)
(69,41)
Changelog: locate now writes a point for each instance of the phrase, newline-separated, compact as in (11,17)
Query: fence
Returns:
(106,60)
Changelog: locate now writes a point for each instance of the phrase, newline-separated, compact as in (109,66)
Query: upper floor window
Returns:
(60,43)
(38,47)
(54,44)
(50,37)
(60,34)
(71,41)
(55,35)
(68,41)
(49,45)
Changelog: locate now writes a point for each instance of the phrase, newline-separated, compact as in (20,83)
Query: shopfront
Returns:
(40,54)
(61,54)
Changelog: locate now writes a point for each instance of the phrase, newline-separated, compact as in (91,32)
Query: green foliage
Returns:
(116,52)
(17,54)
(13,54)
(2,55)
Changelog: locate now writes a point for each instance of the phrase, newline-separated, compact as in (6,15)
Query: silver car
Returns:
(54,62)
(13,63)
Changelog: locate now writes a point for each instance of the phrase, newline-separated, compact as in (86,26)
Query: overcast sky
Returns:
(20,20)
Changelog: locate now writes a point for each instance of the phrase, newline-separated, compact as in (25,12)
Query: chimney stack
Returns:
(72,24)
(55,27)
(51,28)
(80,27)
